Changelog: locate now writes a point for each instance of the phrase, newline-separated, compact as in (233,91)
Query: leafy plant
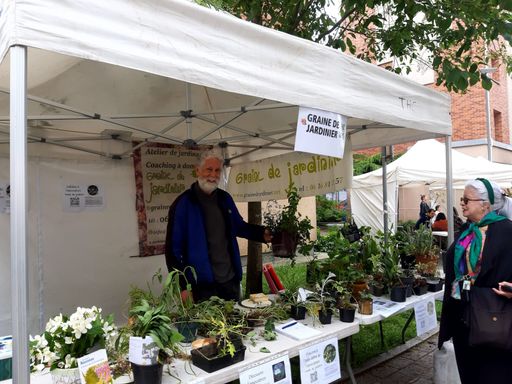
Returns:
(419,242)
(328,210)
(290,222)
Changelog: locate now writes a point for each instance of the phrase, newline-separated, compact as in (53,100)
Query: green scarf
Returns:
(476,244)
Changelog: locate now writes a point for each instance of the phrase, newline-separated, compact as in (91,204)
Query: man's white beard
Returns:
(206,186)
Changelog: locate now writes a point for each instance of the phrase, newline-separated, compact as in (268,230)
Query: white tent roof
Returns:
(159,47)
(424,162)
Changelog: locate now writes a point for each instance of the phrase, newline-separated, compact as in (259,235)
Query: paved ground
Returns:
(403,365)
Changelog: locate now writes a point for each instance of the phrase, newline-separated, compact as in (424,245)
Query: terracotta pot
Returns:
(357,288)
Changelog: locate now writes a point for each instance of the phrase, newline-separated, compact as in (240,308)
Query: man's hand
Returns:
(267,235)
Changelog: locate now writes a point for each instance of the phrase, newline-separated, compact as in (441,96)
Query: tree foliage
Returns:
(453,37)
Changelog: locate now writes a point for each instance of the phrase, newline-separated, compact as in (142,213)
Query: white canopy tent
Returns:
(85,77)
(423,163)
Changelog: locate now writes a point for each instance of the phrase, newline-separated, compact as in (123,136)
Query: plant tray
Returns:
(203,358)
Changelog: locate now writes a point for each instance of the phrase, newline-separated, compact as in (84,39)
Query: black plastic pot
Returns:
(147,374)
(208,360)
(284,244)
(420,290)
(325,317)
(188,330)
(398,294)
(347,315)
(377,290)
(435,285)
(408,282)
(298,312)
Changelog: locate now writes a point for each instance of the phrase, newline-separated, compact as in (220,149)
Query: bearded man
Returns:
(202,228)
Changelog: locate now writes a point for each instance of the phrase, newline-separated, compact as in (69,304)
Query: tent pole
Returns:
(18,180)
(384,194)
(449,188)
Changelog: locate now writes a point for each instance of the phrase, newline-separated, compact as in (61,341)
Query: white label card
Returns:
(320,363)
(271,371)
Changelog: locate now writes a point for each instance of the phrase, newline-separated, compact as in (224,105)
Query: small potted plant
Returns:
(227,348)
(324,299)
(290,232)
(365,304)
(420,244)
(420,286)
(67,338)
(344,303)
(153,340)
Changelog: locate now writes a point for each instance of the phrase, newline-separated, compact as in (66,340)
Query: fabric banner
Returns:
(162,173)
(268,179)
(321,132)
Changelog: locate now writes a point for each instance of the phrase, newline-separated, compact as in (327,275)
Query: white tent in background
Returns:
(424,163)
(102,73)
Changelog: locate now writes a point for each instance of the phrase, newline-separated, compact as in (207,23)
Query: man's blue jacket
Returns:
(186,240)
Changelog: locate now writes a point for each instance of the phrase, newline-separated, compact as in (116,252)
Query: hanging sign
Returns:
(320,132)
(320,363)
(274,370)
(269,179)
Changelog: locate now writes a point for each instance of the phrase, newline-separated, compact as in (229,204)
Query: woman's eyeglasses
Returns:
(466,199)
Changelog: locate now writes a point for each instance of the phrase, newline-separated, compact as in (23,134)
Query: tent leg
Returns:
(449,188)
(385,194)
(18,182)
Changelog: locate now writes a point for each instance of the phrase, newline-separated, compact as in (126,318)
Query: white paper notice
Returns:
(5,197)
(320,363)
(425,315)
(273,370)
(320,132)
(386,308)
(94,368)
(143,351)
(81,197)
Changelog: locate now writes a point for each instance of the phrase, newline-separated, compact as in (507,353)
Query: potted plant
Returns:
(227,348)
(297,306)
(67,338)
(420,244)
(392,271)
(153,340)
(324,299)
(365,304)
(290,232)
(347,310)
(420,286)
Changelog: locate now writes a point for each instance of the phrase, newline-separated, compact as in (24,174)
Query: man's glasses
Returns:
(466,199)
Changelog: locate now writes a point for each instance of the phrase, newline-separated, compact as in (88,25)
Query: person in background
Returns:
(423,206)
(202,228)
(436,211)
(425,219)
(457,222)
(481,256)
(440,223)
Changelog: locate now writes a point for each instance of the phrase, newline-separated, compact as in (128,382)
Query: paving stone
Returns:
(367,378)
(400,362)
(383,371)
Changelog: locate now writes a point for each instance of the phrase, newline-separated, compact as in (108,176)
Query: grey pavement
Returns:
(410,363)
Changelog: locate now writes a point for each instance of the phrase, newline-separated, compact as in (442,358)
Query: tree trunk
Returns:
(254,260)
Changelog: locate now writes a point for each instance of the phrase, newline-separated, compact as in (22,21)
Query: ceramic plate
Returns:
(248,303)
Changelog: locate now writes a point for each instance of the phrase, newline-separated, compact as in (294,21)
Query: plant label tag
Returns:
(143,351)
(466,285)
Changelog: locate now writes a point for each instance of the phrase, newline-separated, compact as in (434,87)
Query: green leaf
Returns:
(264,350)
(486,83)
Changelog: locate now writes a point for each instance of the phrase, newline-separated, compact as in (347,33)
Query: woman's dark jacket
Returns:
(496,267)
(186,240)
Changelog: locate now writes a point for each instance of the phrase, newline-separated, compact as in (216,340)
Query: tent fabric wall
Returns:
(424,163)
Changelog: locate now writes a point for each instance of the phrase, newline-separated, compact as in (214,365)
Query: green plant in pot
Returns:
(365,304)
(420,244)
(291,298)
(227,347)
(153,340)
(182,309)
(392,272)
(290,232)
(344,303)
(324,298)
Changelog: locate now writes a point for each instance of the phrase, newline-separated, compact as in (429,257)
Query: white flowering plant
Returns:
(67,338)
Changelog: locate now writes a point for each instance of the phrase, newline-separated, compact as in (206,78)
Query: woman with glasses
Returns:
(479,258)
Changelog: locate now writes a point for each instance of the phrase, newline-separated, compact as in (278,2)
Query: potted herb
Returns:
(420,244)
(290,232)
(365,304)
(392,271)
(297,306)
(324,299)
(67,338)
